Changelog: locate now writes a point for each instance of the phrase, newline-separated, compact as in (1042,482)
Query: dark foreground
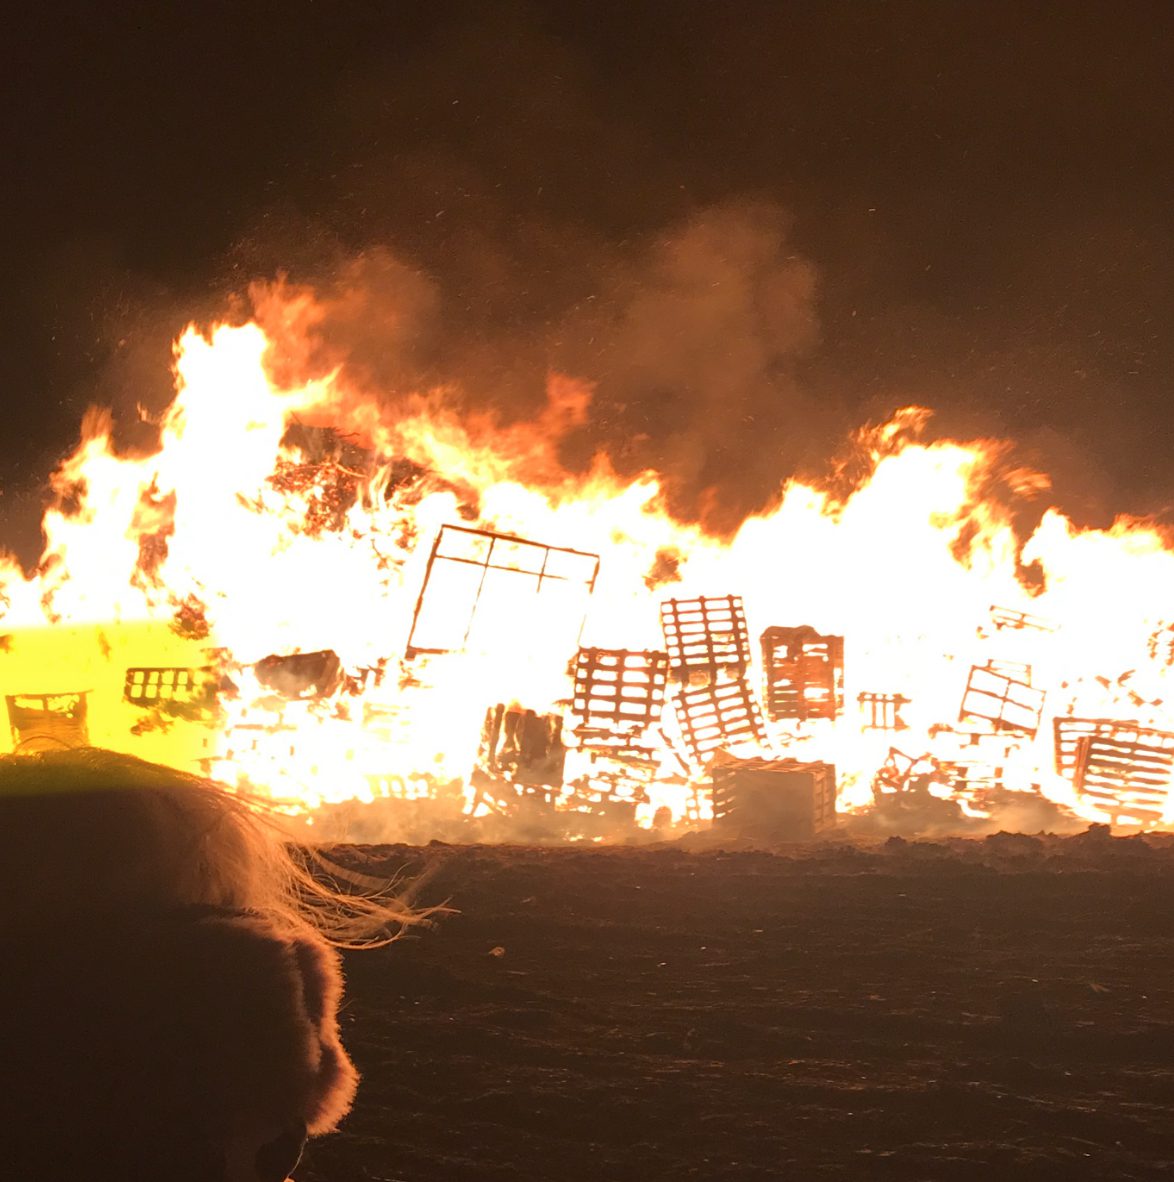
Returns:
(996,1009)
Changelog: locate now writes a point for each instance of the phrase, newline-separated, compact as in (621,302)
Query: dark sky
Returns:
(754,224)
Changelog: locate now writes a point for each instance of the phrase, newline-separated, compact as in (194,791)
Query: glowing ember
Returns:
(302,593)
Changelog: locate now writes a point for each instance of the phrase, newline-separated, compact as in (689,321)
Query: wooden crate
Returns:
(774,799)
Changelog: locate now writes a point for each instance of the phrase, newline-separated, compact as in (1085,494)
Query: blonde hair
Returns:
(89,830)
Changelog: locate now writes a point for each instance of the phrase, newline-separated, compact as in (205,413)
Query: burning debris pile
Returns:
(435,615)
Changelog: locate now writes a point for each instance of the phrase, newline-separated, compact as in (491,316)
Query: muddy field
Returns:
(990,1009)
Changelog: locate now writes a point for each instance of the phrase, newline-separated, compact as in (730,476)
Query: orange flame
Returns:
(237,540)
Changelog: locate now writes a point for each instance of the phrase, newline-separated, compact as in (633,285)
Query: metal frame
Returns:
(486,566)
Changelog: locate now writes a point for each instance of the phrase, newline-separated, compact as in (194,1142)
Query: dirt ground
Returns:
(958,1009)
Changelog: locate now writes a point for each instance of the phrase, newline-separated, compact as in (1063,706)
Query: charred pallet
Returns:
(612,799)
(1068,732)
(882,712)
(145,686)
(722,714)
(804,673)
(781,799)
(619,690)
(705,637)
(1127,777)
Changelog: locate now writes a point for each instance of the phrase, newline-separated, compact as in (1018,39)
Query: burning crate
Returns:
(1005,702)
(804,673)
(782,799)
(718,715)
(1122,769)
(705,636)
(619,689)
(48,722)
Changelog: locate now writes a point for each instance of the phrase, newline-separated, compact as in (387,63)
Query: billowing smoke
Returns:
(691,341)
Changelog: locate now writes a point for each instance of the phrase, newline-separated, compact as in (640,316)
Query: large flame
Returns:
(237,540)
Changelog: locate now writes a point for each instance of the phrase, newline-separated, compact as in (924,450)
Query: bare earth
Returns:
(965,1009)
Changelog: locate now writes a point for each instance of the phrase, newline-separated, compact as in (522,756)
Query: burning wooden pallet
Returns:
(620,690)
(1005,702)
(1069,732)
(622,768)
(804,673)
(779,799)
(882,712)
(719,715)
(1120,767)
(705,636)
(152,686)
(48,722)
(612,792)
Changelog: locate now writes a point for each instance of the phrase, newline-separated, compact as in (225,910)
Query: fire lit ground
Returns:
(418,625)
(923,1011)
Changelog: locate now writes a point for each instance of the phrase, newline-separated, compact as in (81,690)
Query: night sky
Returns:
(755,225)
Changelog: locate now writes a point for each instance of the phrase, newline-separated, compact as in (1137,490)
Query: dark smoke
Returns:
(977,220)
